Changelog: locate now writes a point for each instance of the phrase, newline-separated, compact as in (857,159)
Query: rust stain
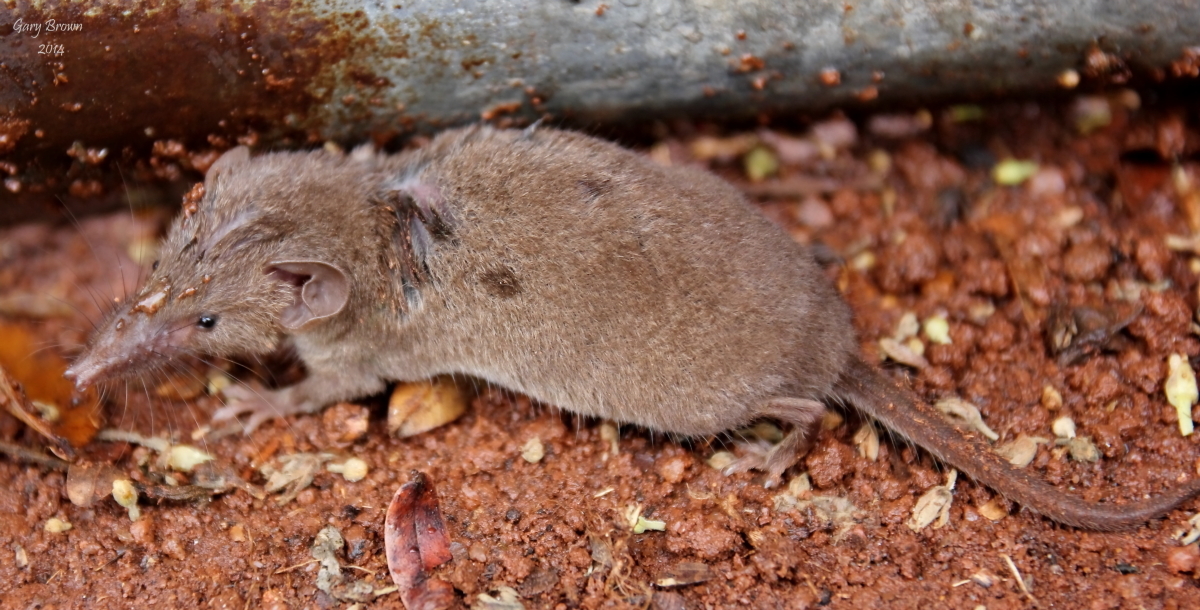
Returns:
(164,87)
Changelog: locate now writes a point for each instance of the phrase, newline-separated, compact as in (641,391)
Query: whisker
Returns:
(91,248)
(125,405)
(79,311)
(235,363)
(129,202)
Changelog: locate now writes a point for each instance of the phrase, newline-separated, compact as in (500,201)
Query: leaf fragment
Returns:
(934,506)
(1181,390)
(1021,451)
(415,542)
(965,414)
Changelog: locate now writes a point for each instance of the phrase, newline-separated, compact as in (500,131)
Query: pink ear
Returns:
(321,291)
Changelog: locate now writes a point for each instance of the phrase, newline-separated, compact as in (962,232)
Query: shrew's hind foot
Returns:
(805,416)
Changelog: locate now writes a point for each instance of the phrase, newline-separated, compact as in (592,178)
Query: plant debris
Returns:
(934,506)
(867,441)
(721,460)
(183,458)
(1192,534)
(88,482)
(126,495)
(1012,567)
(1020,451)
(415,541)
(533,450)
(419,407)
(902,353)
(1078,332)
(1081,449)
(824,511)
(937,328)
(15,402)
(501,598)
(1011,172)
(1052,399)
(30,375)
(353,469)
(54,525)
(994,509)
(330,578)
(639,524)
(294,475)
(760,163)
(685,573)
(965,414)
(1063,427)
(346,423)
(1181,391)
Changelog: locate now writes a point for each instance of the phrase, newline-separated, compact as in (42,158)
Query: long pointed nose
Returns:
(83,373)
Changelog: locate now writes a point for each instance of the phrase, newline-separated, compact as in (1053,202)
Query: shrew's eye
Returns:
(206,322)
(154,267)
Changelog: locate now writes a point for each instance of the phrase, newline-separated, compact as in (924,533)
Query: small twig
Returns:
(120,554)
(1012,567)
(23,454)
(812,587)
(295,567)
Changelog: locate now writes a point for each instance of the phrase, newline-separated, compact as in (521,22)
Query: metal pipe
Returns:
(158,87)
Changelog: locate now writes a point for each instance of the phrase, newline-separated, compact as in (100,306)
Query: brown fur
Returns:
(547,262)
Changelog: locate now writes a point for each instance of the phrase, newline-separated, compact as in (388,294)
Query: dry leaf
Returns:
(965,414)
(1020,452)
(902,353)
(1082,449)
(934,506)
(40,373)
(294,476)
(88,482)
(415,542)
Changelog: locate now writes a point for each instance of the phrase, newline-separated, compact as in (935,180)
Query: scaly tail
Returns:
(866,389)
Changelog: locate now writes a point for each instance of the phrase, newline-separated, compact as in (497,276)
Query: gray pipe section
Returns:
(302,72)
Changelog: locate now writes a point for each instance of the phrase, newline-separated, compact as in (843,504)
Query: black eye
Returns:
(154,267)
(206,322)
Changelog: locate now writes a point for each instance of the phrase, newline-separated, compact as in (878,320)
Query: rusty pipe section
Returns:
(157,89)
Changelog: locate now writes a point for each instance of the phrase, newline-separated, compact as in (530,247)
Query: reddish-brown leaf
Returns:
(415,541)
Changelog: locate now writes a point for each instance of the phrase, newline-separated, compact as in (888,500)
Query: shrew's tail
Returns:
(868,390)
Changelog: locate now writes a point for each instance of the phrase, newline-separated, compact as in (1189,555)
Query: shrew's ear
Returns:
(320,291)
(232,158)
